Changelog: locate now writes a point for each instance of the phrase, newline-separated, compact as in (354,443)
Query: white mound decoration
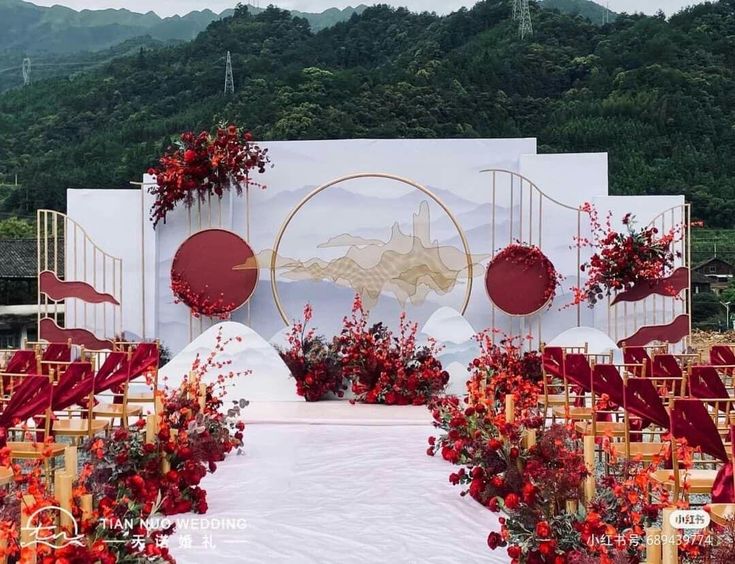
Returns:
(447,325)
(269,380)
(597,341)
(448,328)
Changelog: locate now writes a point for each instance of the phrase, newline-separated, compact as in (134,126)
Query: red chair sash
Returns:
(74,386)
(723,490)
(705,383)
(113,372)
(607,380)
(57,352)
(22,362)
(721,355)
(666,366)
(637,355)
(577,370)
(144,359)
(690,420)
(642,400)
(553,360)
(31,397)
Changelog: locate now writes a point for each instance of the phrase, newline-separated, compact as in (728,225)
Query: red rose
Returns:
(511,501)
(190,155)
(543,530)
(514,551)
(494,540)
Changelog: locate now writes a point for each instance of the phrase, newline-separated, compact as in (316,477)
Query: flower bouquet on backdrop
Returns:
(623,259)
(205,165)
(313,362)
(385,368)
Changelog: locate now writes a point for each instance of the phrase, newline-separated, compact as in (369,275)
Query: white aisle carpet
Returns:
(341,494)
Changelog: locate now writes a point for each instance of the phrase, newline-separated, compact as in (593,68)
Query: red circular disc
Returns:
(520,280)
(203,271)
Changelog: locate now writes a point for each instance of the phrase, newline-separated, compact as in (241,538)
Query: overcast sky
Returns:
(169,7)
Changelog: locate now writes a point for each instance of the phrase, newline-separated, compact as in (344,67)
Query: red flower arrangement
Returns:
(199,304)
(205,165)
(623,259)
(503,368)
(313,362)
(388,369)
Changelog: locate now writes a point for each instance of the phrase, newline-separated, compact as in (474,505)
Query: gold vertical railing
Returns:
(65,249)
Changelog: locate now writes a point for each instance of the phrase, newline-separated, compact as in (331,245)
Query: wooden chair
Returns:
(643,405)
(143,349)
(115,409)
(32,400)
(608,380)
(577,381)
(78,407)
(691,420)
(552,373)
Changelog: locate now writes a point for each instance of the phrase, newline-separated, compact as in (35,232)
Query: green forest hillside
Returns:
(657,94)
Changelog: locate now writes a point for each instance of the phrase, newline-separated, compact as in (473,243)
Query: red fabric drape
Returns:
(22,362)
(690,420)
(723,490)
(74,386)
(638,355)
(642,400)
(553,359)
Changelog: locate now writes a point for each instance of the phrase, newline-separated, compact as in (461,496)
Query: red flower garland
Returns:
(204,165)
(200,305)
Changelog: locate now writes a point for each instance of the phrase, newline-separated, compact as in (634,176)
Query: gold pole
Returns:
(27,533)
(62,493)
(653,550)
(70,461)
(510,408)
(669,538)
(589,461)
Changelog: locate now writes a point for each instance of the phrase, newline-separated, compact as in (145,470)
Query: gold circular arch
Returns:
(323,187)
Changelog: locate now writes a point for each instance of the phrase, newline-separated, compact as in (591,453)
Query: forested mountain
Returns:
(657,94)
(585,8)
(34,29)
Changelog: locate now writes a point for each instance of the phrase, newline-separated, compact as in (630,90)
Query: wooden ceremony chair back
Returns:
(552,374)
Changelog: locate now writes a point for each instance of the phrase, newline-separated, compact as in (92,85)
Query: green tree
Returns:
(17,228)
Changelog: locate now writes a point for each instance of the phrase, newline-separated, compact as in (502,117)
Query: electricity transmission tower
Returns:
(26,71)
(525,27)
(229,82)
(606,14)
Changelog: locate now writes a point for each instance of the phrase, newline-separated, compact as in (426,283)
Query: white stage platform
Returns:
(339,491)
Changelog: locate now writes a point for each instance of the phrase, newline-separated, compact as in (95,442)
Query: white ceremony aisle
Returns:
(339,494)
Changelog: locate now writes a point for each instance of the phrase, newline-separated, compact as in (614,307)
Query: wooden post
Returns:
(530,437)
(510,408)
(669,538)
(653,550)
(202,395)
(3,550)
(85,503)
(62,493)
(70,461)
(572,507)
(150,429)
(27,536)
(589,461)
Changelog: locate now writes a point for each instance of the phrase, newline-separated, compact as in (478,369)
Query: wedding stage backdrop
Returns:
(412,227)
